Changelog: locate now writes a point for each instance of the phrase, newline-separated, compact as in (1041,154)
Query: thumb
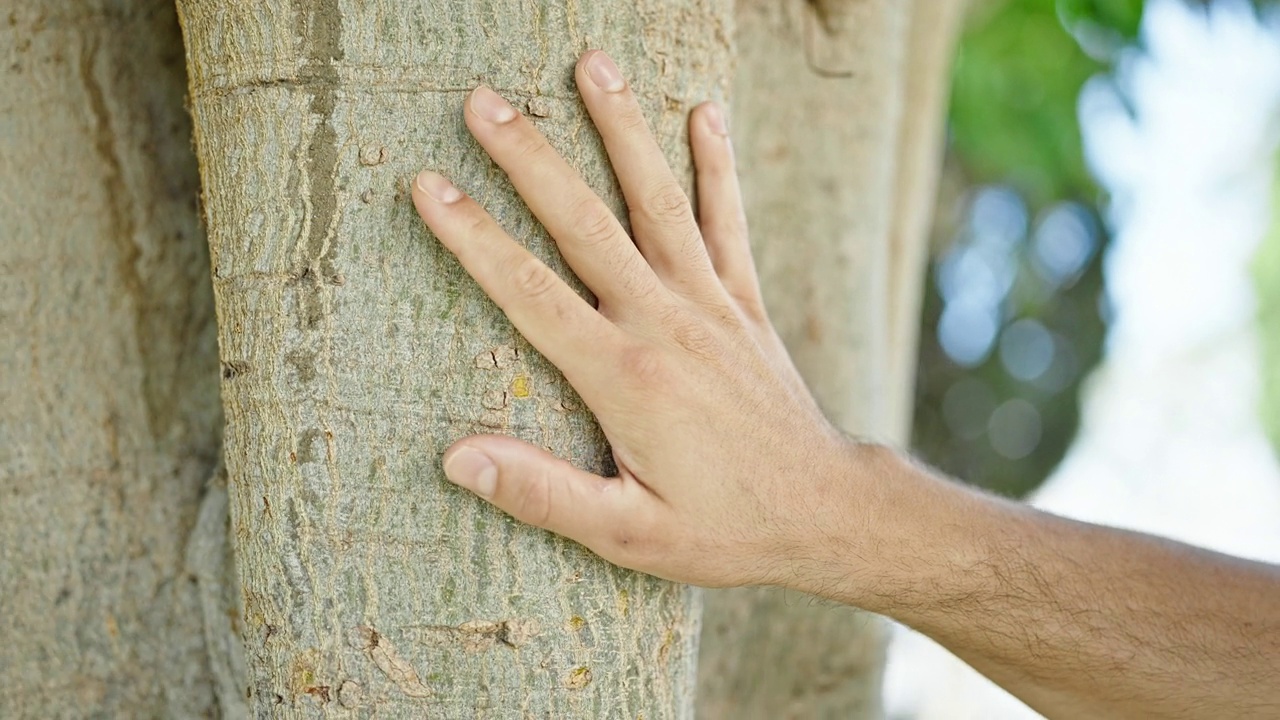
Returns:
(536,487)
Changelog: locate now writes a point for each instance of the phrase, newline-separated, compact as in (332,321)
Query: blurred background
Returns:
(1016,310)
(1101,333)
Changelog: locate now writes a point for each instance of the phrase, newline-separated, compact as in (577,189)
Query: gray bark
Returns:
(837,116)
(210,560)
(108,395)
(354,349)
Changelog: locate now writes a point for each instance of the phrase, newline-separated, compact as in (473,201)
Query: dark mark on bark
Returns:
(826,41)
(319,27)
(232,369)
(319,691)
(303,363)
(122,230)
(306,451)
(833,15)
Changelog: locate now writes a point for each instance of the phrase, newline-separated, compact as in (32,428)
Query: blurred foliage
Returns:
(1018,73)
(1015,145)
(1267,281)
(1014,130)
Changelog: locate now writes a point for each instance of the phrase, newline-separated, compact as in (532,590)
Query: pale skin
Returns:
(730,475)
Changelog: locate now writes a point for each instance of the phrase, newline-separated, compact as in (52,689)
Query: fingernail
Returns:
(473,470)
(438,187)
(715,120)
(489,105)
(604,73)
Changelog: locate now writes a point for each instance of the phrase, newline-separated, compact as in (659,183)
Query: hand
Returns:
(724,460)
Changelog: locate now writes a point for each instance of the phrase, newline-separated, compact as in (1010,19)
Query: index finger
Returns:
(550,315)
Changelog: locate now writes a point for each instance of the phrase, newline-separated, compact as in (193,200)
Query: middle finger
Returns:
(591,239)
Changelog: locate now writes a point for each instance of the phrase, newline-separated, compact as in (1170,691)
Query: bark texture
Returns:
(108,394)
(837,115)
(354,349)
(210,560)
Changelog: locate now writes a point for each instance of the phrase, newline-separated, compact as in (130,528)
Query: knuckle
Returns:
(595,224)
(632,120)
(695,339)
(690,334)
(715,166)
(530,147)
(534,504)
(532,280)
(667,203)
(477,224)
(644,365)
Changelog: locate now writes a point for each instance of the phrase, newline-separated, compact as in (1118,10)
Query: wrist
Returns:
(884,527)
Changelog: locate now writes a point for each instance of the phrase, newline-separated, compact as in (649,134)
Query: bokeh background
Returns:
(1016,309)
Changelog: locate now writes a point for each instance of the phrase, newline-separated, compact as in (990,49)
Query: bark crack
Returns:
(320,27)
(827,27)
(392,663)
(123,225)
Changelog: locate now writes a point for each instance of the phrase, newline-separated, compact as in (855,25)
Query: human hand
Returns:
(725,462)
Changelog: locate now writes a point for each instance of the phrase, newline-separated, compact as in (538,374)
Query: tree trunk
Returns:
(837,121)
(354,349)
(935,29)
(108,399)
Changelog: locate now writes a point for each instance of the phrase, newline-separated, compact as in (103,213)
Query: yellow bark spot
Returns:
(302,671)
(576,622)
(579,678)
(624,602)
(520,386)
(665,650)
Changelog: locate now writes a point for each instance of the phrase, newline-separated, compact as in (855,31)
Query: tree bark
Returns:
(108,398)
(354,349)
(837,119)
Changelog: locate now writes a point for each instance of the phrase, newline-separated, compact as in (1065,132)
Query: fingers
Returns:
(537,488)
(588,235)
(720,212)
(554,318)
(661,215)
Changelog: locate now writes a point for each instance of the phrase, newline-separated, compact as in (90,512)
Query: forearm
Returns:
(1077,620)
